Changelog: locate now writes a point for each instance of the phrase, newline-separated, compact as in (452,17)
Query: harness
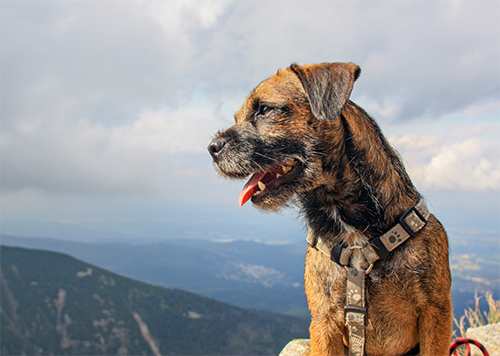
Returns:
(410,224)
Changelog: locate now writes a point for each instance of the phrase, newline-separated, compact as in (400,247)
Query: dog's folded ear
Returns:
(328,86)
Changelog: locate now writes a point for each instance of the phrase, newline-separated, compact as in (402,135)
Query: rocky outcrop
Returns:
(296,347)
(488,336)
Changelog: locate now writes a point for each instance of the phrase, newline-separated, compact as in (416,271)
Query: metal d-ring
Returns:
(370,267)
(356,247)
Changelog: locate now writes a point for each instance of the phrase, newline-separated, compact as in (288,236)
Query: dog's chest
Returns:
(326,280)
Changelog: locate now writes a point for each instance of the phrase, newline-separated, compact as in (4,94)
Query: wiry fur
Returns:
(352,187)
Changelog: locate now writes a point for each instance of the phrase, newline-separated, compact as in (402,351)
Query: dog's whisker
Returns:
(265,156)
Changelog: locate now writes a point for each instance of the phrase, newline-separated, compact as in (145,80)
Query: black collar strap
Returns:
(410,224)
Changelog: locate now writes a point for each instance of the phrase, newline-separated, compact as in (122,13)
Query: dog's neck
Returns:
(368,189)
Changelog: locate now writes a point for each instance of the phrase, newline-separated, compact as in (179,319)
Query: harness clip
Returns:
(355,316)
(354,309)
(412,221)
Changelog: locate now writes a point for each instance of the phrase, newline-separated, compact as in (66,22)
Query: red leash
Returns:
(459,341)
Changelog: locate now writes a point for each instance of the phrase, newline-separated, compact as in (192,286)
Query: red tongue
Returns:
(250,188)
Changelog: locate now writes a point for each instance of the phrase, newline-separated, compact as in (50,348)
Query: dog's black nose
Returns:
(215,147)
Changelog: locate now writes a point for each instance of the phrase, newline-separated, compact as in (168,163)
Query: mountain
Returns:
(243,273)
(257,275)
(52,303)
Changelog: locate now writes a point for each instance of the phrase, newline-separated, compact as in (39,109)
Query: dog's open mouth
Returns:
(270,180)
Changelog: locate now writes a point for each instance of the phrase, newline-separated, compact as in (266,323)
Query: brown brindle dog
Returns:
(306,144)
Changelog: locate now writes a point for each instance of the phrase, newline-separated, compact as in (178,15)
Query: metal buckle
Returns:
(354,309)
(358,316)
(407,227)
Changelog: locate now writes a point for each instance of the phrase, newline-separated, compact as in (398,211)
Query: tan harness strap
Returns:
(410,224)
(355,310)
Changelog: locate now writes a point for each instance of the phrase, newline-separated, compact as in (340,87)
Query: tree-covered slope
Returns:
(54,304)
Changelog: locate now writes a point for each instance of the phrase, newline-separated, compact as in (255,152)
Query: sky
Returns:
(107,108)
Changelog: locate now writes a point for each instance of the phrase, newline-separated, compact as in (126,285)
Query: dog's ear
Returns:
(328,86)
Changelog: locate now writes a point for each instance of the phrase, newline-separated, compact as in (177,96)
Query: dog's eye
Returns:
(265,110)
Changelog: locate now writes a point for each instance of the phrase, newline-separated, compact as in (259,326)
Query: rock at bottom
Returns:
(296,347)
(488,336)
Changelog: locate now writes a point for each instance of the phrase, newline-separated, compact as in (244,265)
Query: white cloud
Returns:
(185,130)
(462,166)
(452,161)
(120,98)
(80,157)
(98,92)
(418,59)
(483,108)
(177,16)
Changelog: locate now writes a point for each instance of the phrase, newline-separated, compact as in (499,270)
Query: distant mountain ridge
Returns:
(54,304)
(255,275)
(243,273)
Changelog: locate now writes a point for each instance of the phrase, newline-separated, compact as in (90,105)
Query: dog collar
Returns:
(410,224)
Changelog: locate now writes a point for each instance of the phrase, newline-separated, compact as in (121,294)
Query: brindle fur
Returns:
(353,188)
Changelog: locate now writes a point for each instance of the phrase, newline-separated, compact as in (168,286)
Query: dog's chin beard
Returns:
(272,201)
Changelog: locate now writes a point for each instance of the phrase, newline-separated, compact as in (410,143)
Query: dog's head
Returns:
(280,132)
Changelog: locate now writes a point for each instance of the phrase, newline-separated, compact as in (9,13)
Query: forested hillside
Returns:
(54,304)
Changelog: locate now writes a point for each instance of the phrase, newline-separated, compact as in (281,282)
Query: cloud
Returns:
(93,100)
(107,59)
(105,101)
(457,160)
(102,60)
(76,158)
(165,130)
(418,59)
(58,155)
(462,166)
(177,17)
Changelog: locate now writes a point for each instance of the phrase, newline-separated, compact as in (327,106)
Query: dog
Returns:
(305,144)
